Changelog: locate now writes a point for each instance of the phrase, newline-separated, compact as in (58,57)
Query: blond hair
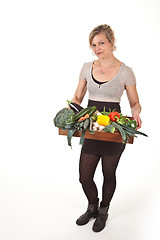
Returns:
(106,29)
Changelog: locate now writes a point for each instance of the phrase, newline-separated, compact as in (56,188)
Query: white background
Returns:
(43,45)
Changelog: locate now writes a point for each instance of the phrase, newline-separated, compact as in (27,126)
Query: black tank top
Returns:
(98,82)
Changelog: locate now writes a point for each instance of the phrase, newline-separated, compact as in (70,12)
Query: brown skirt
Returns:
(99,147)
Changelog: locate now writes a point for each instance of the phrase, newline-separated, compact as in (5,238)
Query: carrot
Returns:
(83,118)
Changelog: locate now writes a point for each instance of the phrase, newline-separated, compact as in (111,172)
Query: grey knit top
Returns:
(110,91)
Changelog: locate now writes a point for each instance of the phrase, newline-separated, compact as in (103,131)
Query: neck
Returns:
(106,62)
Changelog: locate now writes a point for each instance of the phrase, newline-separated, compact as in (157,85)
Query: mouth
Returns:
(98,53)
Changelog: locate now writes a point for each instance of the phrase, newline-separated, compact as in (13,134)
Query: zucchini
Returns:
(81,113)
(93,109)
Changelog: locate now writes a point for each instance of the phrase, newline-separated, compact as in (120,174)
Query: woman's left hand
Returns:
(138,119)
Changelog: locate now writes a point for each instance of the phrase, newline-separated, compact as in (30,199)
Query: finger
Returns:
(139,123)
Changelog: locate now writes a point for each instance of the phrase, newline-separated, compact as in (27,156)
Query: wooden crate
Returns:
(104,136)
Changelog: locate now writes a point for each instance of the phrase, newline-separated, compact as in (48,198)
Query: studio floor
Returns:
(36,209)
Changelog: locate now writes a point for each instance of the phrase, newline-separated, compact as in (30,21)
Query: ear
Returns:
(113,44)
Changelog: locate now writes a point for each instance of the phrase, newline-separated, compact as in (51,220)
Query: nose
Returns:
(97,47)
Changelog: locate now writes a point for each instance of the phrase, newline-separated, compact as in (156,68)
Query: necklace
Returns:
(102,72)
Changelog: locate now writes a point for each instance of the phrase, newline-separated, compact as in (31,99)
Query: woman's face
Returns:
(101,46)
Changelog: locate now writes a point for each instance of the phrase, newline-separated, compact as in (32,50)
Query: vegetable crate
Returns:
(100,135)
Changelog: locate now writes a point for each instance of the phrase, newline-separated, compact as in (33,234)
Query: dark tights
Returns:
(87,167)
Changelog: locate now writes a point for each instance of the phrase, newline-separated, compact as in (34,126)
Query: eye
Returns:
(93,45)
(101,43)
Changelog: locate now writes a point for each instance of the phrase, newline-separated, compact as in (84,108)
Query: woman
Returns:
(105,79)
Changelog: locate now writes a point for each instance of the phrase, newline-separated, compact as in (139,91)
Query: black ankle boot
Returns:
(101,219)
(91,212)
